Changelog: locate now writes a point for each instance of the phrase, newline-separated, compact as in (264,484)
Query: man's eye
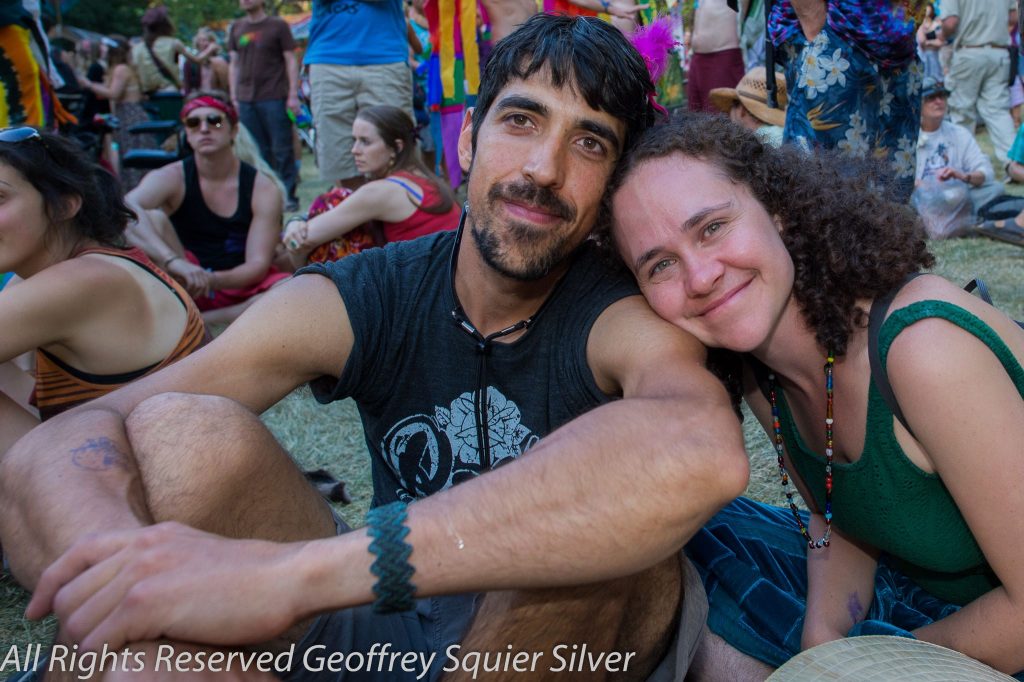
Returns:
(519,119)
(712,228)
(592,144)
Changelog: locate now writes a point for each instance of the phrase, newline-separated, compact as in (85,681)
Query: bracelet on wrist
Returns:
(386,525)
(171,260)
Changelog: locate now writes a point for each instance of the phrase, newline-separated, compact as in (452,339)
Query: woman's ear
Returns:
(778,223)
(399,146)
(70,205)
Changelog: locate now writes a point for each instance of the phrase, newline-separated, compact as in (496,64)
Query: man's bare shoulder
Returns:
(629,340)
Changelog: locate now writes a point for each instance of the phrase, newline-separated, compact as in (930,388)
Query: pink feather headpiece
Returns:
(654,42)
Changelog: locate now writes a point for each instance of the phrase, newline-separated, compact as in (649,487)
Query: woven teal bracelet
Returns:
(386,525)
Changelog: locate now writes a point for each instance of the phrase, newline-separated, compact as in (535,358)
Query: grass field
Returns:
(330,436)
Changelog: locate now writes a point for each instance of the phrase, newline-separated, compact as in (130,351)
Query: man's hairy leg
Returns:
(203,461)
(634,615)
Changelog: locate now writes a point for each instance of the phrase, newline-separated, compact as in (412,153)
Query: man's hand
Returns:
(196,280)
(950,173)
(169,581)
(293,104)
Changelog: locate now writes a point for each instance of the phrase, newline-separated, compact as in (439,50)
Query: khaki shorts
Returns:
(693,615)
(339,92)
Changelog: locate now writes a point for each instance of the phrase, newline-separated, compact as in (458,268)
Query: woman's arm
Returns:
(840,577)
(15,419)
(259,245)
(118,82)
(811,14)
(377,200)
(196,57)
(969,419)
(840,585)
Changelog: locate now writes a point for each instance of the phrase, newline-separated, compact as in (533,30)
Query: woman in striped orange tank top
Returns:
(95,313)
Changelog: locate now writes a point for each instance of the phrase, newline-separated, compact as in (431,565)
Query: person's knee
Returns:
(1015,171)
(193,428)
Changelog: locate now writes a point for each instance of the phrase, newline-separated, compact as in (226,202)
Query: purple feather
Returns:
(655,43)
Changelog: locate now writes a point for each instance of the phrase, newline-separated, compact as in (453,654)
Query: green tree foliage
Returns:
(123,16)
(103,16)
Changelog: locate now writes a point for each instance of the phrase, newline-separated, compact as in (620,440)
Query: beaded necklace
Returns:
(823,541)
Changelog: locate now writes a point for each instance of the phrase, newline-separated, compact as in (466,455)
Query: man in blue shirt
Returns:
(357,58)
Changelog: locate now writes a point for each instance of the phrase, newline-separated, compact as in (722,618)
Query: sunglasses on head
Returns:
(19,134)
(212,120)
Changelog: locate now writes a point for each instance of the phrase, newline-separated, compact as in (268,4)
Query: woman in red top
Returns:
(402,195)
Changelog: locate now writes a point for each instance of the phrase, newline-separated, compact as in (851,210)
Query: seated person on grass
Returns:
(400,196)
(912,525)
(501,357)
(1012,229)
(211,221)
(747,104)
(947,151)
(96,313)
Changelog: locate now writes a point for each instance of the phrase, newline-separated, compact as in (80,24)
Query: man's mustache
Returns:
(527,193)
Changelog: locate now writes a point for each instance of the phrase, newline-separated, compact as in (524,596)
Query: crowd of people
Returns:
(584,313)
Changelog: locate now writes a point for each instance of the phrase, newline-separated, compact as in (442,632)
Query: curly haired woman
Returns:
(778,258)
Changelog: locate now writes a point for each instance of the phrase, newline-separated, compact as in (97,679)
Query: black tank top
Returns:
(218,242)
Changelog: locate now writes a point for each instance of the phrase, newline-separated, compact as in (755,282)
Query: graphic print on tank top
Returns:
(429,453)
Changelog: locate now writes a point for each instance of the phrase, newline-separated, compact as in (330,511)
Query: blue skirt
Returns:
(753,561)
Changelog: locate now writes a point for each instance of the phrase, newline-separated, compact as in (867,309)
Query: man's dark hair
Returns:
(847,241)
(584,53)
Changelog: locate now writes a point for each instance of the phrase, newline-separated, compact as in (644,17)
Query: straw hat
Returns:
(752,91)
(874,658)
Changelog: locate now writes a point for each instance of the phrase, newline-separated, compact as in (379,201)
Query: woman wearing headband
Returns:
(780,258)
(402,195)
(96,313)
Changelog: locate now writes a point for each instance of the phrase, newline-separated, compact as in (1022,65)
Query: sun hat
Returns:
(874,658)
(752,92)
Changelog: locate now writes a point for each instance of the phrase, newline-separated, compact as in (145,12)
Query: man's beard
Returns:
(540,250)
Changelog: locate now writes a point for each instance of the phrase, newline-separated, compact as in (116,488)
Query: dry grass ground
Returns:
(330,436)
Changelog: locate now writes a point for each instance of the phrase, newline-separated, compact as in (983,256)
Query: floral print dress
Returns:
(857,86)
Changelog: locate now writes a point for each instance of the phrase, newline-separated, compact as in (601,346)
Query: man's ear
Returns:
(466,141)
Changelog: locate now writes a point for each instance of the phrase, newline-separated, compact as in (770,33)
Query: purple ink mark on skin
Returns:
(854,608)
(98,454)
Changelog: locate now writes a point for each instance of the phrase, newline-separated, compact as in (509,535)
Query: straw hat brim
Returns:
(874,658)
(723,99)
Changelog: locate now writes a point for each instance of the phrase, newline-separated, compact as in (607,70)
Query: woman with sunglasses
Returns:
(95,313)
(914,527)
(405,198)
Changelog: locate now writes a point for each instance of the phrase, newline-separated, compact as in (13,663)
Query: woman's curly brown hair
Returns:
(847,241)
